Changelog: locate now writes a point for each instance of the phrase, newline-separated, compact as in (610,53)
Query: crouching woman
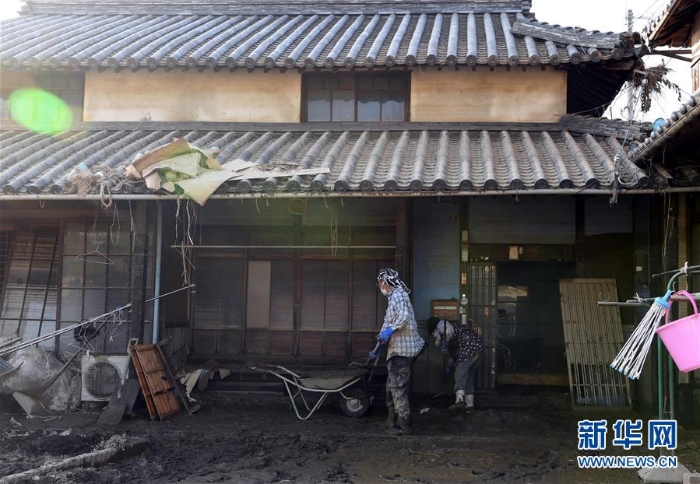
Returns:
(464,347)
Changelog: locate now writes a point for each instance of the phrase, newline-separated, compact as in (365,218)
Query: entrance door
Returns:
(482,293)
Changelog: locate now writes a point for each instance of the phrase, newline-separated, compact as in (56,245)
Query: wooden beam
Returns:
(401,256)
(675,54)
(580,243)
(583,38)
(138,271)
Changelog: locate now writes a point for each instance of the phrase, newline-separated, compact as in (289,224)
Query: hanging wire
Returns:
(652,5)
(189,221)
(114,238)
(117,326)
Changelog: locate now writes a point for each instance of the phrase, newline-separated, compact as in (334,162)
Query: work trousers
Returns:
(464,375)
(397,385)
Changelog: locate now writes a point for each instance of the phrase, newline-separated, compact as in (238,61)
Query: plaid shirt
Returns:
(405,341)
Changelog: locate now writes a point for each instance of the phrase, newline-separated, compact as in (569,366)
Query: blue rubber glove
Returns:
(443,347)
(385,335)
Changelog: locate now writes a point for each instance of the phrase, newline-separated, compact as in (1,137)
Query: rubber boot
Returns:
(459,402)
(390,419)
(469,402)
(404,426)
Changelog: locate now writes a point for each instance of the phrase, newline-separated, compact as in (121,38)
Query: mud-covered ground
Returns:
(511,438)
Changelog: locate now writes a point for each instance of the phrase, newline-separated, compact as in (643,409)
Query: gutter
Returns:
(373,194)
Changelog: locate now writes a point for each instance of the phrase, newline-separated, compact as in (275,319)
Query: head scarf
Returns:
(391,278)
(443,331)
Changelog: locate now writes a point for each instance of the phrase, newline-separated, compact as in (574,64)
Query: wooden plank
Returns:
(142,382)
(160,388)
(154,380)
(580,37)
(593,337)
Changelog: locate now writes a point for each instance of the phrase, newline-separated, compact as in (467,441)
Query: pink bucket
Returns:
(682,338)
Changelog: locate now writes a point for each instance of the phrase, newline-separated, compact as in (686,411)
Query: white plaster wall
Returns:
(532,95)
(238,96)
(480,95)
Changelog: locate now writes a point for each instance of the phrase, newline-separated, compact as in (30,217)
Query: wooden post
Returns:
(684,255)
(138,271)
(463,245)
(580,243)
(657,211)
(401,257)
(298,227)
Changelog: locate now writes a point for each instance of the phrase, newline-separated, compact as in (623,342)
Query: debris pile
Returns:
(180,168)
(191,172)
(39,383)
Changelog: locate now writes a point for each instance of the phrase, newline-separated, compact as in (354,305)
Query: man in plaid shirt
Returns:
(405,344)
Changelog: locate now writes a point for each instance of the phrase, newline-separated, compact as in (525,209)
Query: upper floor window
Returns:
(67,86)
(355,97)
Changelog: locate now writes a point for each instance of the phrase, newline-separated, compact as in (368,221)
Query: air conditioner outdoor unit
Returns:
(101,374)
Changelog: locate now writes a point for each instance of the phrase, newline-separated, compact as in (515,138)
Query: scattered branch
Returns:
(650,81)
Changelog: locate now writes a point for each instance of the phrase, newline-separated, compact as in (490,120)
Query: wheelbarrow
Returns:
(351,384)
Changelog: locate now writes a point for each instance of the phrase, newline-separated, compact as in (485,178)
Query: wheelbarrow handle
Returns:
(377,350)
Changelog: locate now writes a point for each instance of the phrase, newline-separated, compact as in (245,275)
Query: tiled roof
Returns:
(673,27)
(122,39)
(684,121)
(576,153)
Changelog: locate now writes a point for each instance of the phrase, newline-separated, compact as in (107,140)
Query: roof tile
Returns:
(577,153)
(304,40)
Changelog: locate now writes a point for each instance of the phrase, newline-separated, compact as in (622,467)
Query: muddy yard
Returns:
(511,438)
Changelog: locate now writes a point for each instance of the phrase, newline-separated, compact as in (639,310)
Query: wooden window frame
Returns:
(355,75)
(54,272)
(94,254)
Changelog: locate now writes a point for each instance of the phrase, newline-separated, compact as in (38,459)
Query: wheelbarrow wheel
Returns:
(356,404)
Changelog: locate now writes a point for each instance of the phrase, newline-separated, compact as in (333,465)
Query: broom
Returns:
(630,360)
